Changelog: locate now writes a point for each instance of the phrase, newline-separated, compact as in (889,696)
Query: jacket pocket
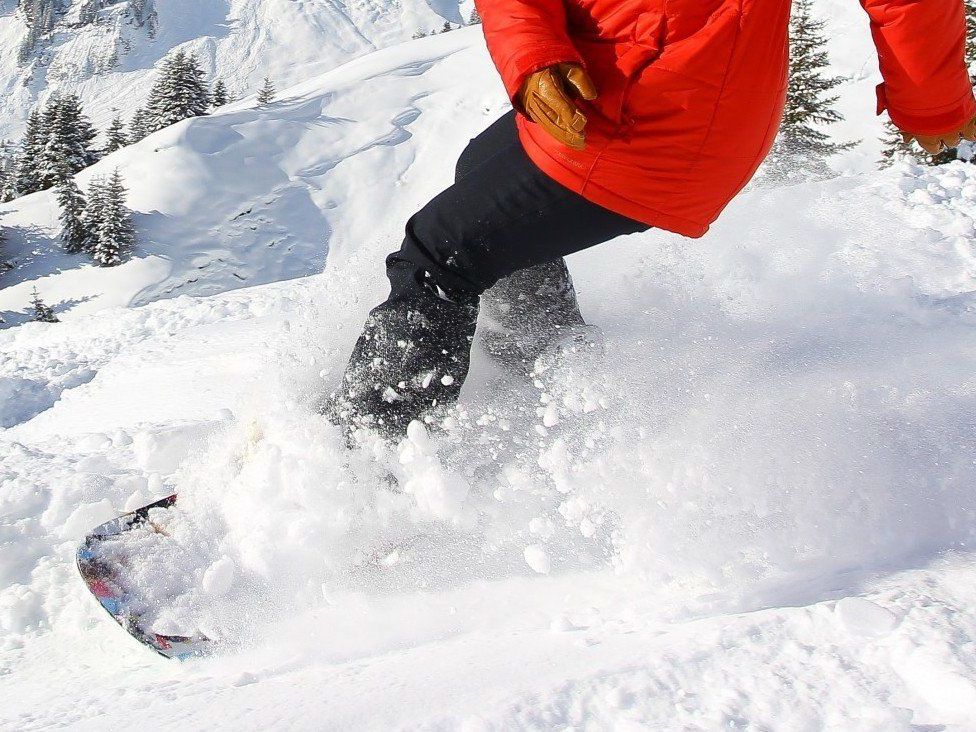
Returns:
(646,45)
(616,64)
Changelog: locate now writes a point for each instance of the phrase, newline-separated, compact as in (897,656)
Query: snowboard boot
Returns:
(411,358)
(524,313)
(583,342)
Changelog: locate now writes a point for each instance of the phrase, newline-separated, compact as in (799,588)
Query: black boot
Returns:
(525,312)
(411,359)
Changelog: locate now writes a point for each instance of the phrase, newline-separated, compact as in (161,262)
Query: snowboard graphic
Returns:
(102,562)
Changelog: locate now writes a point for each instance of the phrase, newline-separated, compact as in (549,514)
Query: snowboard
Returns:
(104,567)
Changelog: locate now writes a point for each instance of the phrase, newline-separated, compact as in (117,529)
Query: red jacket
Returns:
(692,91)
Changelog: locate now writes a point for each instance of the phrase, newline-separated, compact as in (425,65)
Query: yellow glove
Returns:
(933,144)
(547,98)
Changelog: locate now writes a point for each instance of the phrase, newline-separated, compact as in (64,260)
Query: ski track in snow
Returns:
(755,512)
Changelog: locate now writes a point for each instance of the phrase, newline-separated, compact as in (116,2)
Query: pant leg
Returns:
(521,312)
(501,216)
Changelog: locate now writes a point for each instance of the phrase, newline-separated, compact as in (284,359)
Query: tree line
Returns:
(473,19)
(59,138)
(59,142)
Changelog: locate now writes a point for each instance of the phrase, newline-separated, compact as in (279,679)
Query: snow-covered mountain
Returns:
(755,513)
(106,50)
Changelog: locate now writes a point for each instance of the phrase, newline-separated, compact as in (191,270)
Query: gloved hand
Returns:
(547,97)
(932,144)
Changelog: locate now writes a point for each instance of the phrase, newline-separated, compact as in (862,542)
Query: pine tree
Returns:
(40,312)
(138,126)
(71,201)
(63,153)
(82,128)
(32,150)
(115,137)
(894,147)
(115,235)
(266,93)
(475,18)
(91,219)
(419,33)
(220,95)
(447,27)
(6,183)
(8,188)
(802,148)
(58,139)
(180,92)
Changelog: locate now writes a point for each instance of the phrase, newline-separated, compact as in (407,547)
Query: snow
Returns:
(752,509)
(239,41)
(248,196)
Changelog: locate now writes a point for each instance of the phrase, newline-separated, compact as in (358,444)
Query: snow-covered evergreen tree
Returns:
(266,93)
(475,18)
(31,155)
(81,125)
(91,219)
(419,33)
(113,234)
(802,148)
(115,137)
(41,312)
(180,92)
(68,133)
(7,181)
(71,201)
(220,96)
(447,27)
(138,126)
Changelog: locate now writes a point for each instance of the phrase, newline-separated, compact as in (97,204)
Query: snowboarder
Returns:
(628,114)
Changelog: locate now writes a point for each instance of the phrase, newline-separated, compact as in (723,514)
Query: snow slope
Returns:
(248,195)
(755,512)
(240,41)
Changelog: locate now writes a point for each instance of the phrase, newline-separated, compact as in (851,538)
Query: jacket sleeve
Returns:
(921,48)
(524,36)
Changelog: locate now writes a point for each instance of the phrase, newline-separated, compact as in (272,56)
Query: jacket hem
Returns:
(938,121)
(578,182)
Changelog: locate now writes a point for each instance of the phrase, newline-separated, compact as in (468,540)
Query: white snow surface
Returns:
(755,511)
(111,64)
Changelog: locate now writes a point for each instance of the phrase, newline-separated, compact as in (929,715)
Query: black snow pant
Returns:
(503,221)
